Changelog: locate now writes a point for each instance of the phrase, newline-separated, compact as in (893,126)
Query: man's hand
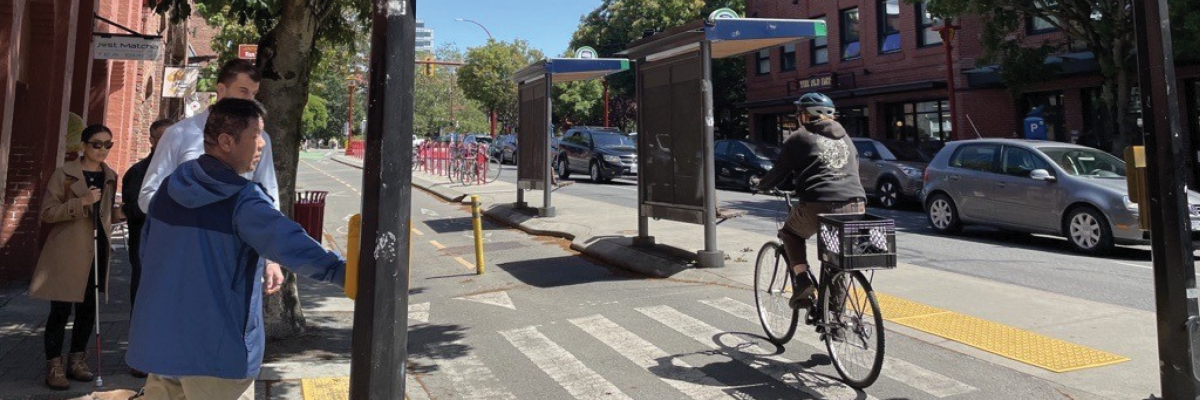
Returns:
(272,278)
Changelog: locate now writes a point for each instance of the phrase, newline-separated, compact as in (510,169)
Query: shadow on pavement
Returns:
(558,271)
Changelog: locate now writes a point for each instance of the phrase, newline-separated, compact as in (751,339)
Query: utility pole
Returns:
(946,31)
(1170,230)
(379,343)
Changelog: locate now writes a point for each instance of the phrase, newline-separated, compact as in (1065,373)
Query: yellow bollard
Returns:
(352,241)
(477,221)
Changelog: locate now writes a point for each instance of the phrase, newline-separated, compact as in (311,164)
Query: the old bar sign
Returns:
(815,82)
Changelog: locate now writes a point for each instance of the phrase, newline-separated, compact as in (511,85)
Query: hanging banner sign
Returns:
(121,47)
(179,82)
(248,51)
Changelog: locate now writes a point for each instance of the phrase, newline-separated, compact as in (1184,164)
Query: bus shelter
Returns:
(535,136)
(675,116)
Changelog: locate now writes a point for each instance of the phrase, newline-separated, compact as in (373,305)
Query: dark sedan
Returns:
(742,162)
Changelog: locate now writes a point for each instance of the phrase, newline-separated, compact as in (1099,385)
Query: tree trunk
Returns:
(285,55)
(176,56)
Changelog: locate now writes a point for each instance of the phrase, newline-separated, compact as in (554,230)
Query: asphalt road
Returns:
(1034,261)
(545,323)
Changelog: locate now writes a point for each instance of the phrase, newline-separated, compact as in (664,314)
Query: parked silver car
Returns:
(891,170)
(1039,187)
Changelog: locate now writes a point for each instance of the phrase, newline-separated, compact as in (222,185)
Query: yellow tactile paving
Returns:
(1015,343)
(326,388)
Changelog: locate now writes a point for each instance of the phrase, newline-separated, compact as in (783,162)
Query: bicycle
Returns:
(846,314)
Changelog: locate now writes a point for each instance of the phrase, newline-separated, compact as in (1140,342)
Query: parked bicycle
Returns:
(472,165)
(846,313)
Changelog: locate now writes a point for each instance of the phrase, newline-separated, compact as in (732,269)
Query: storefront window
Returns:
(855,120)
(926,121)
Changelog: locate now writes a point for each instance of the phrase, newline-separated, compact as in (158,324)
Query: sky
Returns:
(546,24)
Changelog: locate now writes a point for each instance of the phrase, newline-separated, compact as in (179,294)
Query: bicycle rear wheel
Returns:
(772,293)
(853,328)
(492,171)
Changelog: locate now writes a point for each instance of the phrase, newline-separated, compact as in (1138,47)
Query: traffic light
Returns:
(428,66)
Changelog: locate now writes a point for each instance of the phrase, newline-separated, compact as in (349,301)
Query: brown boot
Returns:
(55,378)
(77,363)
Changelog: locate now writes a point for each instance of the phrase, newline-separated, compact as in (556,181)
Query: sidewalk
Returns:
(322,352)
(1124,331)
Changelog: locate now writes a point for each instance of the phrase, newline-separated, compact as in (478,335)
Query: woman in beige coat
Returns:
(76,194)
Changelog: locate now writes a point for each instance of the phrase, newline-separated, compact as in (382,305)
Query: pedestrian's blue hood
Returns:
(204,181)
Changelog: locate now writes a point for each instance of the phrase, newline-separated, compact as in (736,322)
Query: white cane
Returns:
(96,293)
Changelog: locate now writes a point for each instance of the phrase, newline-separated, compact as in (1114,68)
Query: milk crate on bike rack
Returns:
(857,242)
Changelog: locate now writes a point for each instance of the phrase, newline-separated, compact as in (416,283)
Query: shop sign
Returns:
(248,51)
(816,82)
(122,47)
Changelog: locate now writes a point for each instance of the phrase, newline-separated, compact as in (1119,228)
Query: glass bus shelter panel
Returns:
(532,136)
(671,141)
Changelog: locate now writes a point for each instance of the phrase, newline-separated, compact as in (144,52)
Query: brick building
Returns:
(47,72)
(884,64)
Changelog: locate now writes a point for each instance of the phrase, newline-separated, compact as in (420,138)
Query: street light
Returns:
(485,29)
(489,33)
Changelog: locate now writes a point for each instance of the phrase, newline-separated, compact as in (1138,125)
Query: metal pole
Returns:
(1171,247)
(710,257)
(607,123)
(350,115)
(379,343)
(947,34)
(547,209)
(643,239)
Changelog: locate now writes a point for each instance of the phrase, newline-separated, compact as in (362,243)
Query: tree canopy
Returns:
(487,75)
(439,102)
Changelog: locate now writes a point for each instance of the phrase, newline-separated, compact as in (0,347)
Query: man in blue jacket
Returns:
(198,331)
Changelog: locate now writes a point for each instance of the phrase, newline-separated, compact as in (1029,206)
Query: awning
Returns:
(729,37)
(571,69)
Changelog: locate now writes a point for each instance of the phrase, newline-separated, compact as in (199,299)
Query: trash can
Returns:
(309,212)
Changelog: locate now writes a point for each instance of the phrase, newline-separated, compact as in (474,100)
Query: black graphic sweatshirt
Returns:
(824,162)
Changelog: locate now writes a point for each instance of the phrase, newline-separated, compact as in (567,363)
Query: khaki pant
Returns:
(198,388)
(805,220)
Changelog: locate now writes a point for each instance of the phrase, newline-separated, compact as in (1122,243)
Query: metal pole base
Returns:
(546,212)
(711,259)
(520,205)
(643,241)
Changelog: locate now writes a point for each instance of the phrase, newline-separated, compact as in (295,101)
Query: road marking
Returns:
(570,373)
(429,212)
(417,232)
(469,378)
(331,176)
(910,374)
(787,371)
(436,244)
(464,263)
(689,380)
(500,299)
(419,312)
(1136,265)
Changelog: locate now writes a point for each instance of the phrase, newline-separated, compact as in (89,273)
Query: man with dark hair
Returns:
(199,328)
(184,141)
(131,185)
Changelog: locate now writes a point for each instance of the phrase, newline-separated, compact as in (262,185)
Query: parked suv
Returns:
(891,170)
(1034,186)
(602,153)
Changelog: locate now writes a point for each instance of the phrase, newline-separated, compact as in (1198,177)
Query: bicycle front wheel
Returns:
(772,293)
(853,328)
(492,171)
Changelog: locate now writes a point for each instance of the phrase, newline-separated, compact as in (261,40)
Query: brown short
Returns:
(805,218)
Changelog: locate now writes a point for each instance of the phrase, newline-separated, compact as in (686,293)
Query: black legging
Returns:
(85,320)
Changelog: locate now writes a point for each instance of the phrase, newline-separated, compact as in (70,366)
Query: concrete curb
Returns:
(617,251)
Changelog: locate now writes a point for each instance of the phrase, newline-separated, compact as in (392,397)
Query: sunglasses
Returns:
(108,144)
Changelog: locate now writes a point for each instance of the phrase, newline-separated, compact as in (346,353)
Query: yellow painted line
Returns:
(418,233)
(325,388)
(465,263)
(333,177)
(1015,343)
(436,244)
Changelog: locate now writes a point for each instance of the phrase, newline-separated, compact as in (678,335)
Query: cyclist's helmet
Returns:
(816,104)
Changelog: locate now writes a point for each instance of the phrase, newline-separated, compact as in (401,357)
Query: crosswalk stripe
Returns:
(469,377)
(579,380)
(908,373)
(692,382)
(781,369)
(419,312)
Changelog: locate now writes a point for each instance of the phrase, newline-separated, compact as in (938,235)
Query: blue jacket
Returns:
(202,277)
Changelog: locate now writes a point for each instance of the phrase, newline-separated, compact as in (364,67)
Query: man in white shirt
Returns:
(184,142)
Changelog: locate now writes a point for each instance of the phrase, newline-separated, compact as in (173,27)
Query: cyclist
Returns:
(824,163)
